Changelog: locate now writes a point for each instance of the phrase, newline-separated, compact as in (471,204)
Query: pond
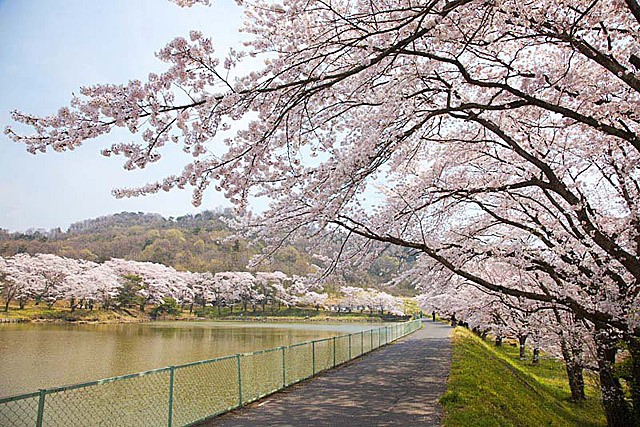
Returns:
(36,355)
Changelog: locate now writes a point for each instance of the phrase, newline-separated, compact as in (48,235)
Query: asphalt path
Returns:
(397,385)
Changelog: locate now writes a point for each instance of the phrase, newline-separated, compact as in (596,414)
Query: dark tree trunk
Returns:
(522,339)
(6,305)
(572,360)
(498,341)
(574,370)
(634,349)
(576,381)
(615,407)
(536,356)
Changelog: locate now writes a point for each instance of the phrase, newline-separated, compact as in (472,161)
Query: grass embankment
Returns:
(41,313)
(490,386)
(292,314)
(61,313)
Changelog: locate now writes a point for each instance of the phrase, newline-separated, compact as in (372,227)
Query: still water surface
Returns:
(34,356)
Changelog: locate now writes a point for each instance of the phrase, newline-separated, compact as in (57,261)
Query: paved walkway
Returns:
(397,385)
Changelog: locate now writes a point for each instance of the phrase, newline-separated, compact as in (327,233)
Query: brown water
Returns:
(34,356)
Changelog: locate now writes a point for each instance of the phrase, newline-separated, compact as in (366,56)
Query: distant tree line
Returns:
(120,284)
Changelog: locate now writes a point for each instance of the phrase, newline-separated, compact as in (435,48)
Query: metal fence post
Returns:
(239,381)
(40,408)
(172,371)
(313,357)
(284,368)
(349,346)
(361,343)
(371,338)
(334,352)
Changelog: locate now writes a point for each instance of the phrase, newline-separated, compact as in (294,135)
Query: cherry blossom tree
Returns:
(499,131)
(383,302)
(88,283)
(555,331)
(156,281)
(15,280)
(313,299)
(352,297)
(238,286)
(43,277)
(271,285)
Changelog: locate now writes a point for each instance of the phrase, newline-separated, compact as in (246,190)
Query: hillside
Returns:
(201,242)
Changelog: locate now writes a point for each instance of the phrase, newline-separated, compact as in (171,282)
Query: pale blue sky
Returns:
(51,47)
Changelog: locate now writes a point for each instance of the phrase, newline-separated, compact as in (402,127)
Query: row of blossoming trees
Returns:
(544,327)
(119,283)
(498,134)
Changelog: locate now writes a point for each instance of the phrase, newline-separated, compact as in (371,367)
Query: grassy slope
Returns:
(492,387)
(59,313)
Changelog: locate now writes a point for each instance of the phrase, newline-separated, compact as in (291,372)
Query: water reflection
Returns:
(34,356)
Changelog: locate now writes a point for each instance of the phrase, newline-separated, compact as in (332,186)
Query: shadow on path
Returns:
(397,385)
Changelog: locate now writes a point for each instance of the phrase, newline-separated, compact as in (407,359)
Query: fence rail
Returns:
(187,394)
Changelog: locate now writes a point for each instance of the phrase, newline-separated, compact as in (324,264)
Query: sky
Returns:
(49,49)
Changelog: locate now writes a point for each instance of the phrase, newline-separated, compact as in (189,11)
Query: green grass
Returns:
(288,313)
(410,307)
(61,313)
(490,386)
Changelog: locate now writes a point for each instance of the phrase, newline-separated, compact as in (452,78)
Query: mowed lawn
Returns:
(491,386)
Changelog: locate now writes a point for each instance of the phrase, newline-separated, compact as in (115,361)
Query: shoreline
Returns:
(243,318)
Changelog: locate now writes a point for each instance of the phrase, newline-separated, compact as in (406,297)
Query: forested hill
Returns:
(201,242)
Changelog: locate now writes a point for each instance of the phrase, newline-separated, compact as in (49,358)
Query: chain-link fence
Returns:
(186,394)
